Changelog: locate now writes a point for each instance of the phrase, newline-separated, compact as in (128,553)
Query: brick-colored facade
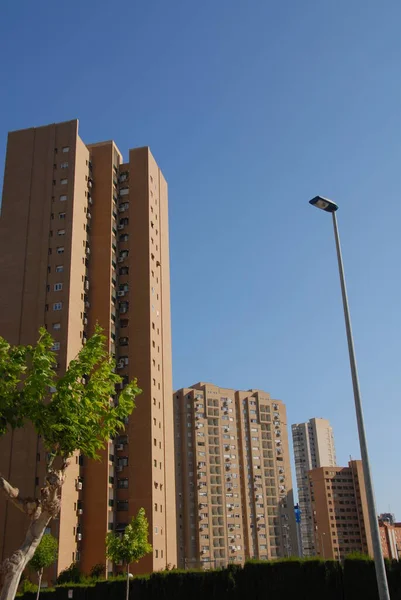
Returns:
(233,477)
(390,536)
(84,239)
(340,512)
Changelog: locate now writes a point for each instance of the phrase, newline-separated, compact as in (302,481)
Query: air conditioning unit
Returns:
(121,259)
(120,293)
(120,227)
(88,251)
(120,447)
(80,511)
(78,485)
(79,537)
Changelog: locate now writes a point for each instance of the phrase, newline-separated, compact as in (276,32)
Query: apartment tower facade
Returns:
(84,239)
(340,511)
(233,479)
(313,444)
(390,536)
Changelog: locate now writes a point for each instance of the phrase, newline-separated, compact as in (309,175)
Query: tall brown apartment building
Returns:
(84,239)
(340,511)
(233,478)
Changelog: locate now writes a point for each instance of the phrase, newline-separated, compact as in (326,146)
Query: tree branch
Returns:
(25,505)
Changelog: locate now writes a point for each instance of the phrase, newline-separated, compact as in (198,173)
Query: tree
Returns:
(132,545)
(45,555)
(73,414)
(98,571)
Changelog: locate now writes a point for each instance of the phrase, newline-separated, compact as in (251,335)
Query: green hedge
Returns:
(290,579)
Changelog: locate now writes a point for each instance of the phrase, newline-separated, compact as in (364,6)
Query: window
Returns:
(64,165)
(122,483)
(56,325)
(66,149)
(56,346)
(156,551)
(60,249)
(57,306)
(59,268)
(63,181)
(124,191)
(63,198)
(58,287)
(61,215)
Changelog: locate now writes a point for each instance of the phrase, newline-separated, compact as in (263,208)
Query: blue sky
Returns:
(250,108)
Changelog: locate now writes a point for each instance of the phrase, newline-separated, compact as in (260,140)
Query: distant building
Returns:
(340,511)
(390,536)
(313,444)
(233,479)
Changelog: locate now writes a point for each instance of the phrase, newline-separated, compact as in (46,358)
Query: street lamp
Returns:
(331,207)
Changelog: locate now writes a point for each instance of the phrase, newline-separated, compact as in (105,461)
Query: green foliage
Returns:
(259,580)
(28,586)
(133,544)
(70,575)
(45,554)
(78,416)
(98,571)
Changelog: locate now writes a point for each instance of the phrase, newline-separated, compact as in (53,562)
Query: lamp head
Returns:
(324,204)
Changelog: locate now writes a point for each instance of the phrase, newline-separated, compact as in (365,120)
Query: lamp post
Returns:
(331,207)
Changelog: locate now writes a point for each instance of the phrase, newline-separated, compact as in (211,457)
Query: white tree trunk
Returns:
(14,566)
(127,591)
(41,511)
(40,574)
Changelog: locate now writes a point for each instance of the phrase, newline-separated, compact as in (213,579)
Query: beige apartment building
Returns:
(233,479)
(340,511)
(313,444)
(84,239)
